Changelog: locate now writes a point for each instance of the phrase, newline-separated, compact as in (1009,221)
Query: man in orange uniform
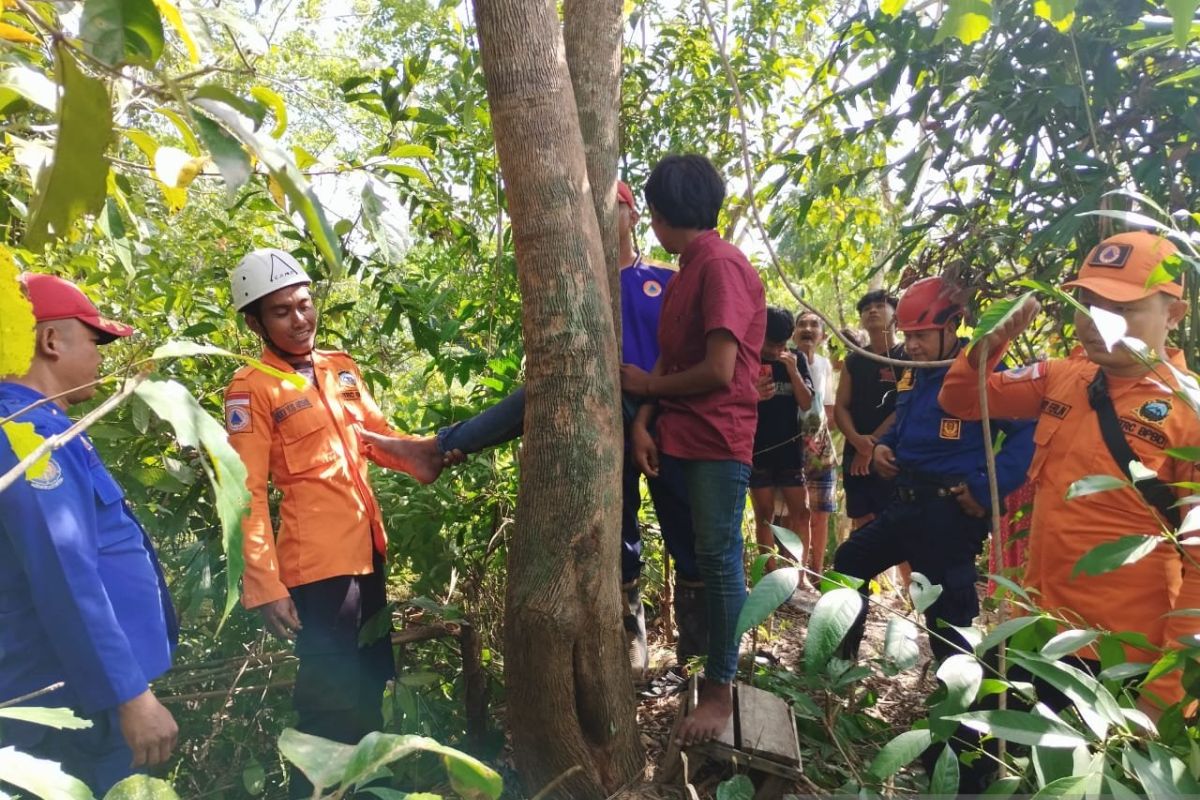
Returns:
(1067,397)
(323,576)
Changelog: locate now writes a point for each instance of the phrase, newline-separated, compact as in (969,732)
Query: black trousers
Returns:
(938,540)
(340,683)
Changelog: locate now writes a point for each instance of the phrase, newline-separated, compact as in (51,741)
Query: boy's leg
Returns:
(717,490)
(495,425)
(822,501)
(762,500)
(631,565)
(870,550)
(670,496)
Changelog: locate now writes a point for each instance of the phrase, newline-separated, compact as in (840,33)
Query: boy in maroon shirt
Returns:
(703,388)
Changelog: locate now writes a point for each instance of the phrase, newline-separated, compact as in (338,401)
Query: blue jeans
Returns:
(717,491)
(505,421)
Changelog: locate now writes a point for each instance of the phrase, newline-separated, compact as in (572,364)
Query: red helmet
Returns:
(926,306)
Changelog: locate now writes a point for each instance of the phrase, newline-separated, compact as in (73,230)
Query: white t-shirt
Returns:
(822,377)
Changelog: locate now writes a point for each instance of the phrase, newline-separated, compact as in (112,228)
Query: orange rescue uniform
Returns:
(1136,597)
(306,441)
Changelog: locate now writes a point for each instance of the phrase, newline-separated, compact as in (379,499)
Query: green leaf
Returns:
(1004,787)
(377,626)
(29,84)
(57,718)
(789,543)
(1161,773)
(194,427)
(410,151)
(384,218)
(178,348)
(1184,453)
(1183,13)
(944,780)
(832,579)
(40,777)
(899,752)
(468,776)
(1071,786)
(900,645)
(323,762)
(117,32)
(996,314)
(962,676)
(1059,13)
(273,101)
(142,787)
(1009,585)
(1113,555)
(832,618)
(1003,631)
(1094,484)
(76,182)
(1067,643)
(254,779)
(1096,706)
(924,594)
(247,108)
(229,156)
(965,20)
(739,787)
(288,175)
(769,594)
(191,144)
(1131,218)
(407,171)
(1022,727)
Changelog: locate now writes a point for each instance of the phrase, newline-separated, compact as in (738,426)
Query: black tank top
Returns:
(873,389)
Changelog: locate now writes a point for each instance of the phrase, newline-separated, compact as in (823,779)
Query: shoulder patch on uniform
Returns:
(1029,372)
(51,477)
(906,381)
(287,409)
(1055,408)
(346,378)
(950,428)
(652,288)
(1154,411)
(237,412)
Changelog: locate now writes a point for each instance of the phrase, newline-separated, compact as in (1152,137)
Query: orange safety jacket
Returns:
(305,441)
(1136,597)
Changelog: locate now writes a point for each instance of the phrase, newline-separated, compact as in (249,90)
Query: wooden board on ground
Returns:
(767,726)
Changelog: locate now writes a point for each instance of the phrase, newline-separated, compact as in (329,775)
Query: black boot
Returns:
(635,630)
(691,618)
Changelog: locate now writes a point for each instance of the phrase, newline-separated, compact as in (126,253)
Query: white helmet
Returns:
(264,271)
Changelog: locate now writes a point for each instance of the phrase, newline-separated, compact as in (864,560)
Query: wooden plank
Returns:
(766,726)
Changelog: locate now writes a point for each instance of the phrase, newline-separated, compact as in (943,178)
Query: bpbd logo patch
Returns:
(1154,411)
(652,288)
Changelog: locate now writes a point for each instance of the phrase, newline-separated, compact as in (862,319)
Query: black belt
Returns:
(916,494)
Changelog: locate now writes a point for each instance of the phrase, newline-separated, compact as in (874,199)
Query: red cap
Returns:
(54,298)
(625,195)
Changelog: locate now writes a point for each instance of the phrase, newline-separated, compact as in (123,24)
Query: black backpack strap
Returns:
(1157,493)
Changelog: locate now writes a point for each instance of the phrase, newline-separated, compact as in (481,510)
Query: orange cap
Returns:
(1118,268)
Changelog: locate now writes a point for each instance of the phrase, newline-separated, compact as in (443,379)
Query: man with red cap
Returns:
(1096,411)
(642,287)
(84,602)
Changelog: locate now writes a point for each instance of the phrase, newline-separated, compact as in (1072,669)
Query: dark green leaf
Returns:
(944,780)
(1094,484)
(116,32)
(1072,786)
(1112,555)
(789,543)
(75,183)
(229,156)
(193,426)
(833,616)
(924,594)
(996,314)
(1022,728)
(899,752)
(57,718)
(323,762)
(739,787)
(1004,787)
(1067,642)
(468,776)
(254,779)
(900,645)
(1003,631)
(1184,453)
(769,594)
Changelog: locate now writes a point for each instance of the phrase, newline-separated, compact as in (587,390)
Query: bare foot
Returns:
(710,716)
(418,456)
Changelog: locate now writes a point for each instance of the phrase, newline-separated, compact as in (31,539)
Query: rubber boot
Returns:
(635,630)
(691,619)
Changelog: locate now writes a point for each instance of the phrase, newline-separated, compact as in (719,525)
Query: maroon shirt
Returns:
(716,288)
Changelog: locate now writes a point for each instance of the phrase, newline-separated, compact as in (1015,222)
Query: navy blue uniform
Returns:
(924,524)
(82,598)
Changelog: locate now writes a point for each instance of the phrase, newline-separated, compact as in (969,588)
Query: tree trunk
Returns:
(570,696)
(592,34)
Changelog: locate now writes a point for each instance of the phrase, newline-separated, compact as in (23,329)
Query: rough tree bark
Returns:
(570,696)
(592,33)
